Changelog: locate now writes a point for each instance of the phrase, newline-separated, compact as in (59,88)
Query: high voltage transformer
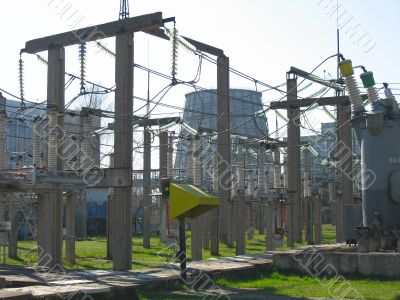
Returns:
(378,130)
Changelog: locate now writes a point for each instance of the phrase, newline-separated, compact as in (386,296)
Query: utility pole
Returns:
(317,216)
(164,149)
(261,189)
(345,167)
(50,203)
(111,198)
(3,139)
(308,204)
(146,187)
(121,220)
(214,235)
(293,160)
(70,228)
(240,207)
(197,236)
(249,204)
(224,150)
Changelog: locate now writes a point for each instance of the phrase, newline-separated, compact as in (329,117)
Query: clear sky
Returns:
(263,38)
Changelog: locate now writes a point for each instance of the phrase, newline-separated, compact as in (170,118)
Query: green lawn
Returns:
(295,285)
(289,285)
(91,253)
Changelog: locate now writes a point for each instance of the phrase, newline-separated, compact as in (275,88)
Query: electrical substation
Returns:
(223,176)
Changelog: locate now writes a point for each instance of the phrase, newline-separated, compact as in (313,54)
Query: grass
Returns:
(91,253)
(300,286)
(292,285)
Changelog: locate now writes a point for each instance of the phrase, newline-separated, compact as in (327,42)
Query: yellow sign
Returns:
(189,201)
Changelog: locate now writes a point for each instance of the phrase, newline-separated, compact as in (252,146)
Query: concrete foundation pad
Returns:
(320,261)
(385,265)
(123,284)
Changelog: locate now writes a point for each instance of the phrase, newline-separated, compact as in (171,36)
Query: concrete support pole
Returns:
(262,178)
(277,169)
(197,162)
(285,173)
(146,187)
(2,211)
(86,145)
(164,153)
(36,155)
(49,225)
(224,149)
(294,175)
(206,221)
(189,160)
(345,156)
(332,200)
(261,189)
(86,164)
(293,151)
(3,140)
(196,246)
(270,231)
(121,219)
(70,228)
(3,133)
(111,198)
(50,204)
(308,205)
(317,219)
(170,156)
(52,115)
(240,214)
(214,234)
(249,204)
(13,243)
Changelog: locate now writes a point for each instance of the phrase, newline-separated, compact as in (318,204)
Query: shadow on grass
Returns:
(188,293)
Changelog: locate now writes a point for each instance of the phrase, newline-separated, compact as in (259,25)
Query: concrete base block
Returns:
(320,263)
(379,264)
(336,263)
(288,262)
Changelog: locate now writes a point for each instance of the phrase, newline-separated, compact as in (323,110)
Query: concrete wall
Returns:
(315,263)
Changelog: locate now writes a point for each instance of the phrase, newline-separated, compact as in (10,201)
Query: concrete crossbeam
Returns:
(93,33)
